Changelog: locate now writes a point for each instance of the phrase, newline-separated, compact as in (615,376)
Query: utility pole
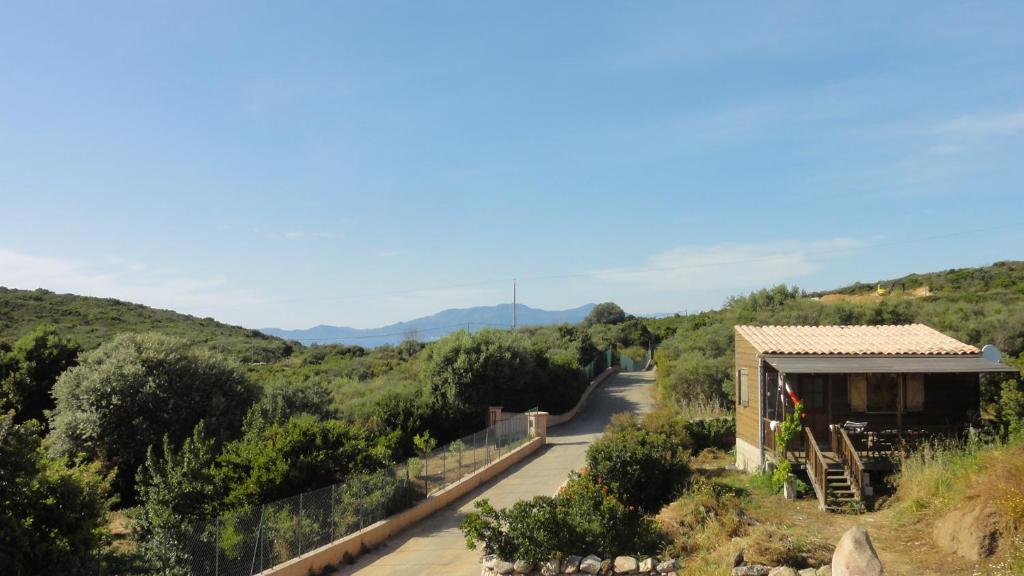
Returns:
(513,304)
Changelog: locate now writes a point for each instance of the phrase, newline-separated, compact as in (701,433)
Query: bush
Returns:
(127,394)
(585,517)
(712,433)
(51,516)
(700,520)
(646,467)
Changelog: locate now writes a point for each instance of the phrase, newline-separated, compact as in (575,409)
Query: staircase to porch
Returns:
(835,480)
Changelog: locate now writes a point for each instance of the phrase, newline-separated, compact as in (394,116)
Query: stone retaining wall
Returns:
(493,566)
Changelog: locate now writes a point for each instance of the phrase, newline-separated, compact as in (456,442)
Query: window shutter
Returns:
(744,388)
(915,392)
(858,393)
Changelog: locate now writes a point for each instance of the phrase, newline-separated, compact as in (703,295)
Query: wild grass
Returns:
(699,409)
(942,475)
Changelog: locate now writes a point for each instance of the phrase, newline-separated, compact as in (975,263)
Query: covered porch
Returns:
(860,411)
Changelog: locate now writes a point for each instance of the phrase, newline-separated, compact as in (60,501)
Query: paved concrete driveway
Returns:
(435,546)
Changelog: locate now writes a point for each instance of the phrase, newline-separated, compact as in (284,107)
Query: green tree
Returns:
(282,400)
(467,372)
(177,490)
(51,516)
(605,313)
(29,369)
(132,391)
(300,455)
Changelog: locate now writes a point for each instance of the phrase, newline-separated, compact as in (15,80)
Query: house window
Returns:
(913,393)
(771,395)
(744,387)
(882,392)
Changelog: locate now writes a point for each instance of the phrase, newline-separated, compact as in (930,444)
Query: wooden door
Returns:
(813,391)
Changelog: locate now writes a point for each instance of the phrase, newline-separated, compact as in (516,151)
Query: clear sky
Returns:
(290,164)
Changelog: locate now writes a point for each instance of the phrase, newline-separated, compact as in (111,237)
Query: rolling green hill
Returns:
(91,321)
(1002,281)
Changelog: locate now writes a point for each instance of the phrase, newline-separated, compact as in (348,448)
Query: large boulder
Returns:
(523,567)
(503,566)
(855,555)
(971,532)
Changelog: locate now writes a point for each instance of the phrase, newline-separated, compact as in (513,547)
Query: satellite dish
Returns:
(991,353)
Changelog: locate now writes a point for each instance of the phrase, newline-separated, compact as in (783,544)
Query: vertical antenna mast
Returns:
(513,304)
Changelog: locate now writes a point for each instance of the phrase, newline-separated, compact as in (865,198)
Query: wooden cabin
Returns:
(865,390)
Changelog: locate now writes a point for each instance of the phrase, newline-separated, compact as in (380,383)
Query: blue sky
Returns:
(361,163)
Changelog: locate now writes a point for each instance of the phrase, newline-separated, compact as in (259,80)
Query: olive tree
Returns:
(127,394)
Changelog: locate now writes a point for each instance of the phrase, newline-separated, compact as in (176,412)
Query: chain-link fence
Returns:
(629,364)
(245,542)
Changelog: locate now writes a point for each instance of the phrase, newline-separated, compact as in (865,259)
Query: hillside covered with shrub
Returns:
(92,321)
(976,305)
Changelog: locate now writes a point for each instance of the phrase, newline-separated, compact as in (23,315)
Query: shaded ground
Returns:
(436,545)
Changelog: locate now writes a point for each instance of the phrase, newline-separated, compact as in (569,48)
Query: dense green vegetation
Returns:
(976,305)
(107,404)
(89,322)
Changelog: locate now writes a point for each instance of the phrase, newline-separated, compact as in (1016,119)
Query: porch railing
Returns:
(817,469)
(843,448)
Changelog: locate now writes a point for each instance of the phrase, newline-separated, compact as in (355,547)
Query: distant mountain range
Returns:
(435,326)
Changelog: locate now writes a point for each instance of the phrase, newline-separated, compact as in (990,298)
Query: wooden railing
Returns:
(844,449)
(817,469)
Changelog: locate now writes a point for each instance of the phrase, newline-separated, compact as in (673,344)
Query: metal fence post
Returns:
(216,549)
(444,469)
(299,523)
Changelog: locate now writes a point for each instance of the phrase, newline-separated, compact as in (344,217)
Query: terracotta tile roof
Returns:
(909,339)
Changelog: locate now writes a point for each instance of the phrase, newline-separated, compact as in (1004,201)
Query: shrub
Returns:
(127,394)
(646,467)
(702,519)
(712,433)
(50,515)
(585,516)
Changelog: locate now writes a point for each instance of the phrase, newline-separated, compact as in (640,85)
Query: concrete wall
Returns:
(353,544)
(748,456)
(558,419)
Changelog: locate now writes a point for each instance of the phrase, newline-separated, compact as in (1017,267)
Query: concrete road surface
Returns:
(435,546)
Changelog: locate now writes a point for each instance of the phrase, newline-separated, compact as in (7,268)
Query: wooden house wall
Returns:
(747,417)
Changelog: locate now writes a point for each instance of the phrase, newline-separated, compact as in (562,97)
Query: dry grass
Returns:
(772,545)
(941,476)
(700,409)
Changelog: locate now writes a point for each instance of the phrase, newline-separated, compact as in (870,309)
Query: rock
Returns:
(782,571)
(626,565)
(824,570)
(972,533)
(808,572)
(590,565)
(855,556)
(751,570)
(523,567)
(503,566)
(606,566)
(551,567)
(738,559)
(666,566)
(571,565)
(489,560)
(646,565)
